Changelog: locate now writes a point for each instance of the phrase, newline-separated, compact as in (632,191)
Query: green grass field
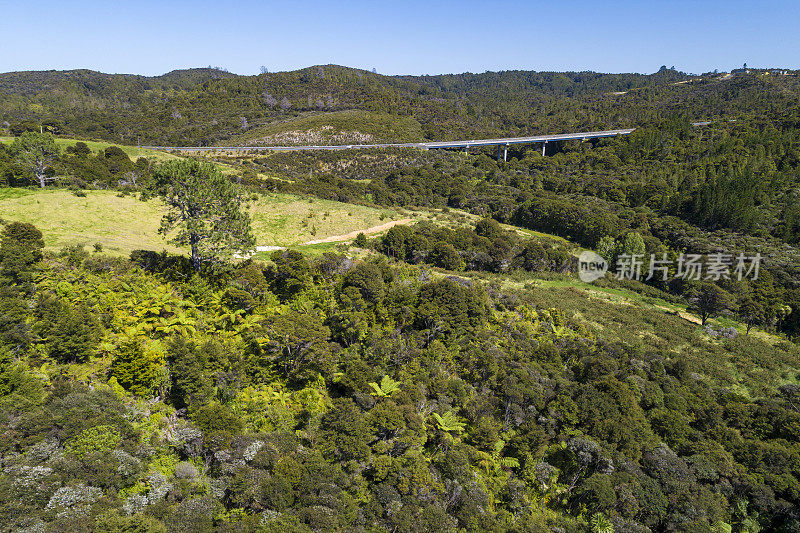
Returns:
(313,250)
(285,220)
(133,152)
(97,146)
(122,224)
(119,224)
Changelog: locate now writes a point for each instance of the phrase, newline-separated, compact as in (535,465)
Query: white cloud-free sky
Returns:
(411,37)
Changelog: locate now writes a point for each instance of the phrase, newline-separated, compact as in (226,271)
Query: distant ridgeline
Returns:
(207,106)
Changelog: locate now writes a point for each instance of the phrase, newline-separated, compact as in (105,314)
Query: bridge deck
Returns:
(423,145)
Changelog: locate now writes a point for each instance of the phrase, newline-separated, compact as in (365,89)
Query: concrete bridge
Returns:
(502,143)
(505,142)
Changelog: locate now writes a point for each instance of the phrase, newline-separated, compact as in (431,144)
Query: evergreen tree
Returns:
(73,336)
(20,248)
(138,370)
(709,300)
(206,209)
(35,152)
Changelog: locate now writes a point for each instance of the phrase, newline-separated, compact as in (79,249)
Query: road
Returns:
(466,144)
(505,141)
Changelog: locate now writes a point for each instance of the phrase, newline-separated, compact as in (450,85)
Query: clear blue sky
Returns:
(411,37)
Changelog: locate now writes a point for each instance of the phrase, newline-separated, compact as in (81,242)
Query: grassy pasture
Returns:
(122,224)
(285,219)
(119,224)
(98,146)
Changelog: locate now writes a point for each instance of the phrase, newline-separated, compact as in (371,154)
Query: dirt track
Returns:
(683,314)
(354,234)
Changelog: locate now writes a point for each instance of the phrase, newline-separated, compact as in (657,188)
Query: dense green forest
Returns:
(338,395)
(431,378)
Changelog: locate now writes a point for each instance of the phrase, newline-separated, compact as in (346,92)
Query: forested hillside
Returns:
(339,395)
(207,106)
(451,373)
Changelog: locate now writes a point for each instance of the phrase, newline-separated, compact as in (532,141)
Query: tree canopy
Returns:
(205,208)
(35,152)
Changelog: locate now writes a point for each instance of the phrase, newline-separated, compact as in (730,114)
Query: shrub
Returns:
(184,470)
(444,255)
(95,439)
(361,241)
(73,334)
(217,420)
(141,371)
(367,278)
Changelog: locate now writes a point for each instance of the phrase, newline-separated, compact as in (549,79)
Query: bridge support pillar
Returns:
(502,148)
(544,146)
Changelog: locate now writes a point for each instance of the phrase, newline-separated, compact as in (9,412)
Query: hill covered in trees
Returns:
(208,106)
(433,378)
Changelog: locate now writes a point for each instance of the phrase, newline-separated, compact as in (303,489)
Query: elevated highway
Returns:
(503,143)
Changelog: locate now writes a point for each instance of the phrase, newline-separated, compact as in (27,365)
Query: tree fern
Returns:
(721,527)
(449,422)
(387,387)
(601,524)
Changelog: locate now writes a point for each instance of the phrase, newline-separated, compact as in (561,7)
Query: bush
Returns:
(21,247)
(217,422)
(361,241)
(367,278)
(140,371)
(444,255)
(184,470)
(71,333)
